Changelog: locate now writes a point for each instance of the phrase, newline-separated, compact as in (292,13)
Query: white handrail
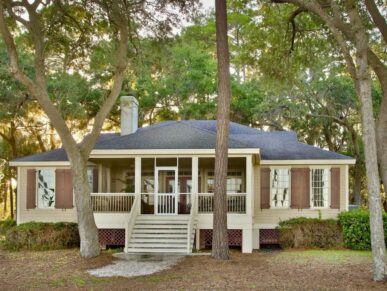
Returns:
(132,220)
(191,222)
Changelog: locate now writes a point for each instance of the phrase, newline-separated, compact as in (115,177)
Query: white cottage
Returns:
(152,187)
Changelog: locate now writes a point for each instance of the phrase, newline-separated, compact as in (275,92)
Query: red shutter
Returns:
(95,180)
(63,189)
(31,188)
(300,194)
(265,188)
(335,188)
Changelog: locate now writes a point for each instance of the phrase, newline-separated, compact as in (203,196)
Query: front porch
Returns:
(166,186)
(163,202)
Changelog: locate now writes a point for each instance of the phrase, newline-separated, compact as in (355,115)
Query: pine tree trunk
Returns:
(88,231)
(5,198)
(11,193)
(220,249)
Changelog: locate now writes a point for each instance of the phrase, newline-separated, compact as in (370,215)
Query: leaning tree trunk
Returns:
(87,228)
(220,249)
(381,137)
(373,182)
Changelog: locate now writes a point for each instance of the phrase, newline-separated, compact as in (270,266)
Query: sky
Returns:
(207,4)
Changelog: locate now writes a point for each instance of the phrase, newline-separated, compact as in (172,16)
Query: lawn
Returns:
(278,270)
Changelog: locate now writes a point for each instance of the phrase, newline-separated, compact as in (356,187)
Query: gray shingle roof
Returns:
(201,134)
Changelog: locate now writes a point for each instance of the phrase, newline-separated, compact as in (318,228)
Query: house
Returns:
(152,187)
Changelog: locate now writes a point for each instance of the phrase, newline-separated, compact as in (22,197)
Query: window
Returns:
(280,190)
(320,187)
(234,182)
(46,188)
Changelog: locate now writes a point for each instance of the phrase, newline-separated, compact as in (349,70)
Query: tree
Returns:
(220,237)
(67,32)
(351,37)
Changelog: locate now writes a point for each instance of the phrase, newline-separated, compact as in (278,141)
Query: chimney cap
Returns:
(128,100)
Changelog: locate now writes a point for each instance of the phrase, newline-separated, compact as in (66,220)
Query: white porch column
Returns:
(249,187)
(247,240)
(256,238)
(197,242)
(195,179)
(108,180)
(137,179)
(100,177)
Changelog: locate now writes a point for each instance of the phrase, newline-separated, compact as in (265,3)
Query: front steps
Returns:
(160,234)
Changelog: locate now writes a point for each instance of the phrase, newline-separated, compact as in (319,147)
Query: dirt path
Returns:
(308,270)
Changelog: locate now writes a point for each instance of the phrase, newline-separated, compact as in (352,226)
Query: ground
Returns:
(274,270)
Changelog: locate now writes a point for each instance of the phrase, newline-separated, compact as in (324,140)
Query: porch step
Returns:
(154,234)
(159,230)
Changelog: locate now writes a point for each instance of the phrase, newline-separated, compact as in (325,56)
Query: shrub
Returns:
(42,236)
(356,229)
(5,225)
(302,232)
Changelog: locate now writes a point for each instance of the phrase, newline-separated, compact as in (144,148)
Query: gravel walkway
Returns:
(130,265)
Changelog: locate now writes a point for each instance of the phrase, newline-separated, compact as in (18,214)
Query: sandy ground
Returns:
(279,270)
(131,265)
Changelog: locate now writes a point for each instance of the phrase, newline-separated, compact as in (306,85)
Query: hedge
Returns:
(42,236)
(6,225)
(356,229)
(305,232)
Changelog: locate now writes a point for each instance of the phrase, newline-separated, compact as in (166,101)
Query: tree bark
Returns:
(370,149)
(358,167)
(5,197)
(220,249)
(11,193)
(381,138)
(88,231)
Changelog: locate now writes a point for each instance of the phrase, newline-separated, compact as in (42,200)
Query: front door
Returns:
(166,191)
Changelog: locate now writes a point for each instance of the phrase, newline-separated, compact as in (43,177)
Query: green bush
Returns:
(356,229)
(302,232)
(42,236)
(5,225)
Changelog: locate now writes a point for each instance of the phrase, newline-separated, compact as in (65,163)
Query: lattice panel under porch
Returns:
(268,236)
(111,237)
(234,238)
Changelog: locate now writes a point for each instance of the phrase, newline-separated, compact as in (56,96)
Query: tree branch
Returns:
(120,18)
(37,91)
(378,19)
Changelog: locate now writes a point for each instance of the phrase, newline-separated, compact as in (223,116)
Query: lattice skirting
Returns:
(268,236)
(234,238)
(111,237)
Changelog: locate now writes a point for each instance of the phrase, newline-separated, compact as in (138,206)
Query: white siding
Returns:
(269,218)
(41,215)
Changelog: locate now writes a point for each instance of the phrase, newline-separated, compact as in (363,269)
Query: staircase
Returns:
(161,234)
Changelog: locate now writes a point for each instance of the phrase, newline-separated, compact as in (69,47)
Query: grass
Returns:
(328,256)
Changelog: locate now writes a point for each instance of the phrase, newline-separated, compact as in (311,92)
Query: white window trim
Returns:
(37,188)
(328,168)
(290,186)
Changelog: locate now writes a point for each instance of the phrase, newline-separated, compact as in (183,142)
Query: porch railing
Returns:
(112,202)
(166,203)
(236,203)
